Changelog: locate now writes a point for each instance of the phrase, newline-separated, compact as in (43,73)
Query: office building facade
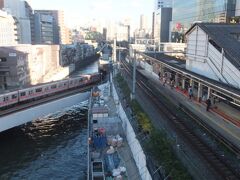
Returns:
(237,12)
(162,19)
(185,14)
(143,22)
(162,3)
(59,29)
(21,11)
(8,29)
(43,29)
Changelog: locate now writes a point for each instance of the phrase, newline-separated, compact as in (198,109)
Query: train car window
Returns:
(80,80)
(39,90)
(30,92)
(54,86)
(46,88)
(5,99)
(65,84)
(14,96)
(22,93)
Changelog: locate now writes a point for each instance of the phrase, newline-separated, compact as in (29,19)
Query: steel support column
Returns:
(199,96)
(209,93)
(176,80)
(183,83)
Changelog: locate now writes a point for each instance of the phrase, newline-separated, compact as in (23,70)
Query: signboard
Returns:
(12,54)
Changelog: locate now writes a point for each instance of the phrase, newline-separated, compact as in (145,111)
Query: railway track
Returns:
(218,165)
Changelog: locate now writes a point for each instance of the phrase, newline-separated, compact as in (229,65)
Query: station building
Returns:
(213,50)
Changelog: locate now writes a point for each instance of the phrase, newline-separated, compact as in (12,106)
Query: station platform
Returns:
(222,117)
(224,110)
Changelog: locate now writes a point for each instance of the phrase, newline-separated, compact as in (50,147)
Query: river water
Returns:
(53,147)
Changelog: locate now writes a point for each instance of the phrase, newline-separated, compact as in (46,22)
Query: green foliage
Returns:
(97,36)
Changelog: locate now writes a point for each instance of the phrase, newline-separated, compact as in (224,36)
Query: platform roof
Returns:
(180,65)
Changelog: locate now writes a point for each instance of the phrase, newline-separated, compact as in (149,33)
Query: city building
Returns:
(118,31)
(30,15)
(144,31)
(69,39)
(104,34)
(162,3)
(14,68)
(213,50)
(237,13)
(8,29)
(1,4)
(43,29)
(162,19)
(42,60)
(22,11)
(143,22)
(185,14)
(59,29)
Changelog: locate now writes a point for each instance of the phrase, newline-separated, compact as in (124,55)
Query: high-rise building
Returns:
(43,29)
(30,15)
(8,29)
(118,31)
(185,14)
(162,19)
(104,34)
(59,29)
(1,4)
(237,13)
(143,22)
(68,34)
(21,10)
(162,4)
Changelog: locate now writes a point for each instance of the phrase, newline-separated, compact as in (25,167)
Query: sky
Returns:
(82,12)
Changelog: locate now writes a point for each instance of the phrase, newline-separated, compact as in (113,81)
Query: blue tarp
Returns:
(100,141)
(111,161)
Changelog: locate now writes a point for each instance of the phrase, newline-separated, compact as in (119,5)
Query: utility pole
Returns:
(115,50)
(134,77)
(119,55)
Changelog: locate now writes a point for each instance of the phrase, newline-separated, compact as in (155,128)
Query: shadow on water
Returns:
(55,146)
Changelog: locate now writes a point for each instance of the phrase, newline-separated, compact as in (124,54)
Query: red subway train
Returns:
(43,90)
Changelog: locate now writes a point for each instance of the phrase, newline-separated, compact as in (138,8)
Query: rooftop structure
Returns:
(213,50)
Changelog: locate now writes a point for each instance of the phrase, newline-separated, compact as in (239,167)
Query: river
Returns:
(54,147)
